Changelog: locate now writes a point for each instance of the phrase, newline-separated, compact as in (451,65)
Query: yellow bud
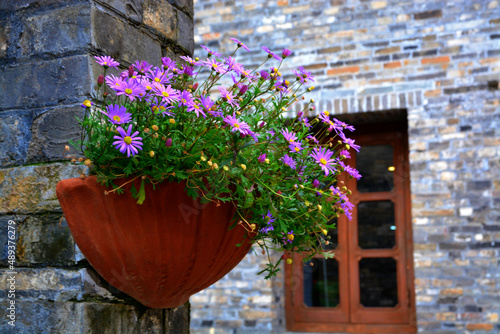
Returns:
(301,186)
(226,168)
(243,166)
(216,166)
(203,158)
(320,207)
(267,161)
(155,135)
(347,146)
(146,130)
(209,162)
(80,159)
(289,261)
(325,232)
(66,148)
(238,113)
(155,127)
(151,154)
(171,121)
(312,100)
(87,162)
(290,237)
(326,113)
(307,203)
(253,226)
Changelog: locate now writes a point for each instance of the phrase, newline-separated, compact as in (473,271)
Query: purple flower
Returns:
(215,65)
(168,63)
(315,183)
(345,153)
(287,160)
(87,104)
(168,142)
(262,158)
(236,125)
(142,66)
(189,60)
(269,219)
(290,136)
(130,88)
(285,53)
(117,114)
(343,125)
(113,81)
(350,142)
(194,106)
(228,96)
(323,158)
(168,94)
(107,61)
(270,54)
(303,75)
(264,74)
(128,142)
(295,147)
(240,44)
(351,171)
(210,52)
(185,99)
(158,75)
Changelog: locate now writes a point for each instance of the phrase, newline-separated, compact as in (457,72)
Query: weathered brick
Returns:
(428,14)
(435,60)
(343,70)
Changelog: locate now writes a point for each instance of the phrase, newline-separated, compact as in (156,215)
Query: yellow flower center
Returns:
(323,161)
(184,101)
(127,140)
(236,125)
(297,149)
(326,113)
(165,94)
(87,103)
(128,91)
(117,118)
(157,79)
(215,65)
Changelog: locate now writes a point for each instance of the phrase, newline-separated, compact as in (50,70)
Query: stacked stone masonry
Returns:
(46,70)
(439,61)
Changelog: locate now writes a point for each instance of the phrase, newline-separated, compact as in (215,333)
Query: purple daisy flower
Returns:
(295,147)
(269,219)
(215,65)
(323,157)
(287,160)
(210,52)
(130,88)
(185,99)
(285,53)
(128,142)
(236,125)
(157,75)
(162,108)
(351,171)
(303,75)
(113,81)
(168,63)
(240,44)
(117,114)
(142,66)
(270,54)
(107,61)
(262,158)
(168,94)
(290,136)
(228,96)
(350,142)
(315,183)
(194,106)
(190,60)
(264,74)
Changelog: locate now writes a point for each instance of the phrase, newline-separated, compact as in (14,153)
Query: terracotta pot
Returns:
(160,252)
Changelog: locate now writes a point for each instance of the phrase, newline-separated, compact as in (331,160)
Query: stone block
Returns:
(186,6)
(177,320)
(122,41)
(14,137)
(52,130)
(162,16)
(44,83)
(54,32)
(132,9)
(45,239)
(32,189)
(185,32)
(43,317)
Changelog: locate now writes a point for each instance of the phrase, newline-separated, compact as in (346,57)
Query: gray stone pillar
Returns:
(46,70)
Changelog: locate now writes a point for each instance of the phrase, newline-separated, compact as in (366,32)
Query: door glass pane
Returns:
(375,164)
(378,283)
(321,283)
(376,225)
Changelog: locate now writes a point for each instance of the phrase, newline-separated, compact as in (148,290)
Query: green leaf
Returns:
(142,193)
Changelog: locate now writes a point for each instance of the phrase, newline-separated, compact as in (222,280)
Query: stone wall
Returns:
(46,71)
(439,60)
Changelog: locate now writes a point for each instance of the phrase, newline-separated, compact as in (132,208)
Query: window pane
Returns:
(376,166)
(376,225)
(321,283)
(378,282)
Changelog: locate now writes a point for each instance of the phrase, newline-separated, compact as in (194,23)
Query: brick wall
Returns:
(439,60)
(46,71)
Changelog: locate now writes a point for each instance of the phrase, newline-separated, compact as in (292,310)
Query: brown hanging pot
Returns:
(160,252)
